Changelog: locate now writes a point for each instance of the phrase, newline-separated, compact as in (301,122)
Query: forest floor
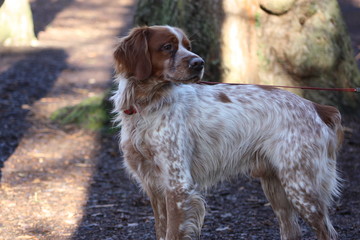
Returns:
(62,183)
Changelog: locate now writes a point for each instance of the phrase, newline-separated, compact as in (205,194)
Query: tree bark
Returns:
(16,24)
(294,43)
(239,41)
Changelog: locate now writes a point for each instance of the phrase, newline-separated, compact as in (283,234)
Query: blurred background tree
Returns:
(16,23)
(305,42)
(282,42)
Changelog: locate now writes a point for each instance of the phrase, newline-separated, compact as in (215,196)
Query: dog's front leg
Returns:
(185,212)
(185,209)
(158,203)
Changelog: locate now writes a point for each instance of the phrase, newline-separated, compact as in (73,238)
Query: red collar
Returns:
(130,111)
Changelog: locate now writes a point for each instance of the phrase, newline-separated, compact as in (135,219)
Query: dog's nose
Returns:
(196,64)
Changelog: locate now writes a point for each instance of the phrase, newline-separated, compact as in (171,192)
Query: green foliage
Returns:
(200,19)
(257,20)
(93,114)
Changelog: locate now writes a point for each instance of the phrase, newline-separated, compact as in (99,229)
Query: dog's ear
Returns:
(132,57)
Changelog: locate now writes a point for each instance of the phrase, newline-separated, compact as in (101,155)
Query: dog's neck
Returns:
(138,94)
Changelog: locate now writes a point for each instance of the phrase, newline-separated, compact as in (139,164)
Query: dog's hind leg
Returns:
(308,200)
(284,211)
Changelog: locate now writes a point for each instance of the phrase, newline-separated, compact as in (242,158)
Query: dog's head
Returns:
(159,51)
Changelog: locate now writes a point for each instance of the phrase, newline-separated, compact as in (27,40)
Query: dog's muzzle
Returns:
(196,64)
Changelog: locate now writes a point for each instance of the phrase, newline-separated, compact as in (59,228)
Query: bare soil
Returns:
(67,183)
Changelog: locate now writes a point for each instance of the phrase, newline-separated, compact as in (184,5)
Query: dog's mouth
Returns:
(191,79)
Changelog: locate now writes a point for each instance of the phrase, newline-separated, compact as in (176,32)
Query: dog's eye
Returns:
(167,47)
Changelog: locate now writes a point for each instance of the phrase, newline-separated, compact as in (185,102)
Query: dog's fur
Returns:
(179,137)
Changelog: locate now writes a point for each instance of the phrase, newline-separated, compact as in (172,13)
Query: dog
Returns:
(179,137)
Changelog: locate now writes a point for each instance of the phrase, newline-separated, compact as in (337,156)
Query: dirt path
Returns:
(66,183)
(47,170)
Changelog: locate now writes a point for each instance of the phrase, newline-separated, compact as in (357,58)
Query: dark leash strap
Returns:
(277,86)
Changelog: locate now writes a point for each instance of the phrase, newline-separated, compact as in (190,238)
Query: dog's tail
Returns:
(329,181)
(332,118)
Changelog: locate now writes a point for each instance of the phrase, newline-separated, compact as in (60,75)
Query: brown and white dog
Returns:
(179,137)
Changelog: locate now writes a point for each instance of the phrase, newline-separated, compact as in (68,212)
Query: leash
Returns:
(277,86)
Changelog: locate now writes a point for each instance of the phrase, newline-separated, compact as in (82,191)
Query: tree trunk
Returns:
(16,24)
(239,41)
(294,43)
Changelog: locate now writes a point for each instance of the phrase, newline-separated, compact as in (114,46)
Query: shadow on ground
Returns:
(114,202)
(26,81)
(43,18)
